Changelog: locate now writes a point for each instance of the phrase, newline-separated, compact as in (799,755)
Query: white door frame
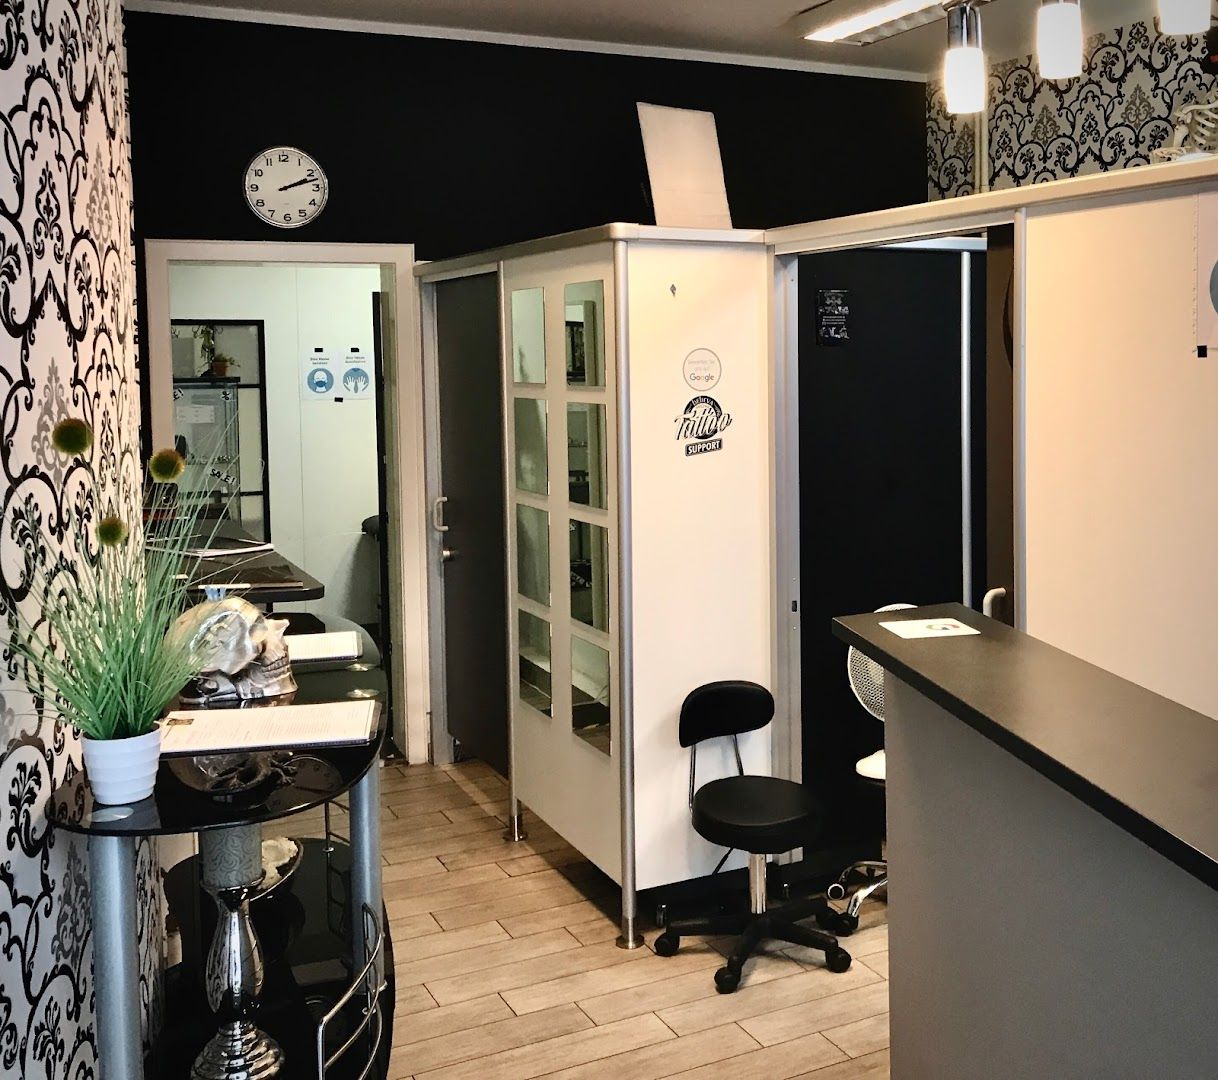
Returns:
(403,434)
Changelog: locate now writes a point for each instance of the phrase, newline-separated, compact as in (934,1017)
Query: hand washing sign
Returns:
(357,374)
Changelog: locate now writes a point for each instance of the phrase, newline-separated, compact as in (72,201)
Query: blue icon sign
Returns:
(320,381)
(356,380)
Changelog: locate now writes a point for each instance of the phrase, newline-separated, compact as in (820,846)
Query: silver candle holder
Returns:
(232,872)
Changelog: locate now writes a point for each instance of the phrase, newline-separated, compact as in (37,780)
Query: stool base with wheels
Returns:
(755,926)
(763,815)
(874,875)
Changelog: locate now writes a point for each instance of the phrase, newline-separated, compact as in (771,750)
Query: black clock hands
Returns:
(306,180)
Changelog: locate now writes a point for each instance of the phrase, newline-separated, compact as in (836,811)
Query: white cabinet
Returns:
(639,472)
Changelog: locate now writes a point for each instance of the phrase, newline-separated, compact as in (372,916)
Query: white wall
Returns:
(323,471)
(1121,445)
(702,581)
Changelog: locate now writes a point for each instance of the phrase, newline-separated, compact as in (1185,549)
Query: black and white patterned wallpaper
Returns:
(66,347)
(1112,117)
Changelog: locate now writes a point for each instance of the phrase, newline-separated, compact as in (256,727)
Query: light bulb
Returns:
(964,67)
(1059,39)
(1184,17)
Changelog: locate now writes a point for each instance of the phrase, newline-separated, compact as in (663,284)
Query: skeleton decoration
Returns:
(1196,131)
(245,656)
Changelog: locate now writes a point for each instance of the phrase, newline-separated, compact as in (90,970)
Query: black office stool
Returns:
(762,815)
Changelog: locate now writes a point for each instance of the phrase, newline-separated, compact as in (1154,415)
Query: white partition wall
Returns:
(638,464)
(1121,441)
(700,522)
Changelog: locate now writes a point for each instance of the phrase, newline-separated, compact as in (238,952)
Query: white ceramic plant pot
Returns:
(123,771)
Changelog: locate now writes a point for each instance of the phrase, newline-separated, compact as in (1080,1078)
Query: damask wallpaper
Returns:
(66,347)
(1112,117)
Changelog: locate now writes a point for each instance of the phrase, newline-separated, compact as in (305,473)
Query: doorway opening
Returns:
(295,359)
(900,425)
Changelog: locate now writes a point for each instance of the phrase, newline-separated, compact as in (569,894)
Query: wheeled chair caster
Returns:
(837,960)
(666,944)
(841,923)
(727,980)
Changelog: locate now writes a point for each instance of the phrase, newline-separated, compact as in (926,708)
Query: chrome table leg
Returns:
(366,864)
(120,1053)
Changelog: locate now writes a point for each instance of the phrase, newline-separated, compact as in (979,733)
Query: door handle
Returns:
(437,514)
(447,555)
(987,602)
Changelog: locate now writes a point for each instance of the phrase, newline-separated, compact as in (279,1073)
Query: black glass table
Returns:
(177,805)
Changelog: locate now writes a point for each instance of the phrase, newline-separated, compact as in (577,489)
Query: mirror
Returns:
(532,465)
(534,657)
(586,452)
(590,693)
(590,575)
(533,553)
(529,337)
(584,308)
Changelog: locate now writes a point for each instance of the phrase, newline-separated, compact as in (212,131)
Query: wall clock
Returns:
(285,187)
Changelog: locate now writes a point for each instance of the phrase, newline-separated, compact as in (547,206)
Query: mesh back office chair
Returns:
(763,815)
(867,682)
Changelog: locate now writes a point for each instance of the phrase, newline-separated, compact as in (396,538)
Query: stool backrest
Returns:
(724,708)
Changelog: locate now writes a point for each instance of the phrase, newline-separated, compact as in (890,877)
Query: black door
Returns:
(880,479)
(471,454)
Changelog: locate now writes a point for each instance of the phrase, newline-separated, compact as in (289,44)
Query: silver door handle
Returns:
(437,514)
(447,555)
(987,602)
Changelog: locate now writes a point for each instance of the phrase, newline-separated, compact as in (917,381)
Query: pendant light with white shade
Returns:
(1059,39)
(1181,18)
(965,72)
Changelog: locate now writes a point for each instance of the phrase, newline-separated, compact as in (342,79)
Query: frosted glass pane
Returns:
(587,455)
(533,554)
(528,337)
(535,664)
(584,310)
(590,693)
(532,467)
(590,574)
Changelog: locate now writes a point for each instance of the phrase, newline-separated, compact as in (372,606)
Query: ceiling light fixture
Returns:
(874,24)
(964,68)
(1059,39)
(1184,17)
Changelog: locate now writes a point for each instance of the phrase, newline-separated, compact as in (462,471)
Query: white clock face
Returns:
(285,187)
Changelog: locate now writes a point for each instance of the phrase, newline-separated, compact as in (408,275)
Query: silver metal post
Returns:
(366,863)
(630,938)
(757,897)
(515,831)
(116,979)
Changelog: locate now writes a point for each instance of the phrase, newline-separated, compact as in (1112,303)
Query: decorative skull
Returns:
(245,657)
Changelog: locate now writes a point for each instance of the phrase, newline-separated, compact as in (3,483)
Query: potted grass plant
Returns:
(98,645)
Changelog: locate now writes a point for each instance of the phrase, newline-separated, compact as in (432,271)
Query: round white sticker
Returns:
(702,369)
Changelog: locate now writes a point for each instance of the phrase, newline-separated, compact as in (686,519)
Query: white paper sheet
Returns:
(219,731)
(928,628)
(336,645)
(685,167)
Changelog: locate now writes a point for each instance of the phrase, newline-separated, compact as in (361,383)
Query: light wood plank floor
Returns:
(507,967)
